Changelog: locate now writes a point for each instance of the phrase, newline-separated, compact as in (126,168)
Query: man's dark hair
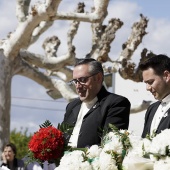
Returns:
(95,66)
(159,63)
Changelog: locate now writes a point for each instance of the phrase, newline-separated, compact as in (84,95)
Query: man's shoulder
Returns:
(74,103)
(76,100)
(115,99)
(106,94)
(115,96)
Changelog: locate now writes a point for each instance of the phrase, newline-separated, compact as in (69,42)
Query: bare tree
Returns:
(15,59)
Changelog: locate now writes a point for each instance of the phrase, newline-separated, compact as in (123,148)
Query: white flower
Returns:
(134,152)
(113,143)
(115,146)
(136,142)
(163,164)
(125,131)
(95,164)
(160,142)
(147,145)
(107,162)
(110,137)
(74,161)
(94,151)
(85,166)
(137,163)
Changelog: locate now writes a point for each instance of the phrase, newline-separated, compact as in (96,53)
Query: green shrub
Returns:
(20,139)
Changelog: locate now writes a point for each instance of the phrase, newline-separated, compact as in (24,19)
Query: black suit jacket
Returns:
(110,108)
(164,123)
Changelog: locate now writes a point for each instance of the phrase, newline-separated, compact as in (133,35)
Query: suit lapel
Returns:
(75,111)
(101,97)
(151,115)
(153,111)
(98,103)
(94,107)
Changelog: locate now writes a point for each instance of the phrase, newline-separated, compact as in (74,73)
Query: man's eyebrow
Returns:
(146,81)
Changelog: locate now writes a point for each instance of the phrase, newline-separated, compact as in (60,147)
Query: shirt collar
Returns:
(166,99)
(91,103)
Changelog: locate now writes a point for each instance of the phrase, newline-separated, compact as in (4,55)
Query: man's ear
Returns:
(100,77)
(167,75)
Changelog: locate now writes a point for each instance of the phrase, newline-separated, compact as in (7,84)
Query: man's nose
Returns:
(148,87)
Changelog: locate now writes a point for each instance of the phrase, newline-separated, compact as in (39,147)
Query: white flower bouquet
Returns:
(160,145)
(108,156)
(121,150)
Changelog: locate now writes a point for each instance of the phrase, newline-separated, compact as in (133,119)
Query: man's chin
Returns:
(157,98)
(82,98)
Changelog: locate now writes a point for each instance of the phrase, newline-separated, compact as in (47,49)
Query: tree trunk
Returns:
(5,99)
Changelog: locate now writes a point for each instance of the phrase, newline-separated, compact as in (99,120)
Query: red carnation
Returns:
(47,144)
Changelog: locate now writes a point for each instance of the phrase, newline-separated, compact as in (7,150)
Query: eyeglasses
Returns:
(81,80)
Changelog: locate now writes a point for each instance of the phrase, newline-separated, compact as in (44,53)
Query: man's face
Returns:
(156,84)
(87,90)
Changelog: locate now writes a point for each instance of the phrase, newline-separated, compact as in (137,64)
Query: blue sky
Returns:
(156,9)
(31,106)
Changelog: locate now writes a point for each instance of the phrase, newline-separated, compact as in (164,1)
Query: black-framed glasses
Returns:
(81,80)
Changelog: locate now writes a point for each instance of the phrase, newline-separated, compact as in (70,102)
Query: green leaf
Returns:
(65,128)
(46,124)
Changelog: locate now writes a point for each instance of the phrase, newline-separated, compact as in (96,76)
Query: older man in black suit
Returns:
(156,75)
(95,108)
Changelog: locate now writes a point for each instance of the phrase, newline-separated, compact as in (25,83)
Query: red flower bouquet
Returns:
(47,144)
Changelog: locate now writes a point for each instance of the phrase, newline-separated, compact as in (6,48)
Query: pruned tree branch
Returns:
(22,7)
(140,107)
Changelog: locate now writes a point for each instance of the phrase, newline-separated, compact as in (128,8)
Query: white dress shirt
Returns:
(85,107)
(161,112)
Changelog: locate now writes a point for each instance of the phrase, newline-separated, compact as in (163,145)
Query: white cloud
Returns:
(125,10)
(158,35)
(7,17)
